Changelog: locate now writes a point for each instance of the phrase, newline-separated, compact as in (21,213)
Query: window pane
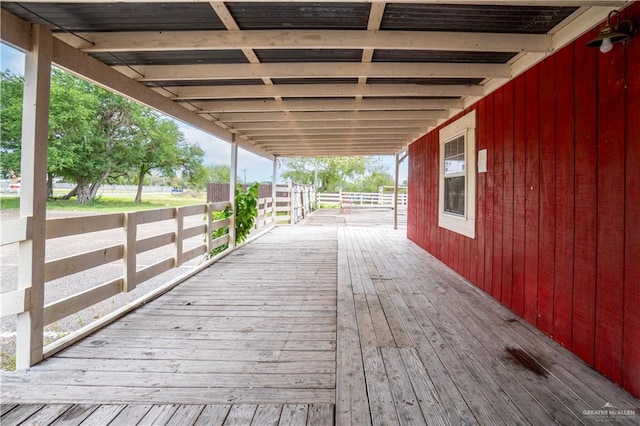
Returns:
(454,156)
(454,195)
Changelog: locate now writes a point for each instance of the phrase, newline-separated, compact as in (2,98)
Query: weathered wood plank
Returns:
(213,415)
(404,397)
(29,392)
(75,415)
(383,411)
(104,414)
(131,415)
(352,406)
(294,415)
(20,413)
(240,415)
(267,414)
(321,415)
(46,415)
(158,415)
(185,415)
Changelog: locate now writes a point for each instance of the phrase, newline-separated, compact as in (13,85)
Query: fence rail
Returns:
(19,230)
(361,199)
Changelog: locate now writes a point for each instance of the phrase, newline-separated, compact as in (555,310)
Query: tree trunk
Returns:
(140,185)
(71,193)
(83,191)
(96,185)
(49,185)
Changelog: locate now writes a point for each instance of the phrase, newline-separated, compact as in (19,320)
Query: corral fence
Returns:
(361,199)
(294,201)
(190,237)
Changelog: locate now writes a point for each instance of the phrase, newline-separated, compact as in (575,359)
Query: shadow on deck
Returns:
(340,320)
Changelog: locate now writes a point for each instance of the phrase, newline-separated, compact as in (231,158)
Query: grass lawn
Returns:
(113,203)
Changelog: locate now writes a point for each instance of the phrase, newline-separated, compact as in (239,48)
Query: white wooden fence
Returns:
(19,301)
(361,199)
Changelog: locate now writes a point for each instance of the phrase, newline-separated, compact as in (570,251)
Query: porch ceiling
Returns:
(308,78)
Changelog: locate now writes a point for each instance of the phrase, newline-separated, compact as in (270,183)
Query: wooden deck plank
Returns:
(5,408)
(240,415)
(404,397)
(321,415)
(131,415)
(158,415)
(46,415)
(267,415)
(213,415)
(20,413)
(383,411)
(294,415)
(75,415)
(352,406)
(355,316)
(104,414)
(185,415)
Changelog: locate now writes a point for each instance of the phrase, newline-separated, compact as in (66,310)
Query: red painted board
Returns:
(480,195)
(519,196)
(507,196)
(498,190)
(532,202)
(610,227)
(547,211)
(631,337)
(584,268)
(489,189)
(565,165)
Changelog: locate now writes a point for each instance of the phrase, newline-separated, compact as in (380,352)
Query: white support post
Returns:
(292,200)
(209,214)
(33,196)
(274,190)
(233,178)
(395,193)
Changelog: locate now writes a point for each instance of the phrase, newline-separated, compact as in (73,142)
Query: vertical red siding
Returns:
(610,268)
(532,194)
(558,211)
(519,198)
(507,196)
(547,183)
(498,188)
(631,340)
(564,203)
(585,238)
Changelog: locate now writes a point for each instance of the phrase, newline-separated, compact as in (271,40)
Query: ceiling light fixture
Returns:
(610,34)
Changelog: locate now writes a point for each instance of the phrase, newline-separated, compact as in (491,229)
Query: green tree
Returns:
(218,173)
(96,136)
(332,172)
(158,143)
(375,177)
(11,87)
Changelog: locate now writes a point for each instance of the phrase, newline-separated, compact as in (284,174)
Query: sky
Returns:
(251,167)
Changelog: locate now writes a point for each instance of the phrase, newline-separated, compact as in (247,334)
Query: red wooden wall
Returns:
(558,212)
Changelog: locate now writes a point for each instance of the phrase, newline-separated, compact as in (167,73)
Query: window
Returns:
(458,176)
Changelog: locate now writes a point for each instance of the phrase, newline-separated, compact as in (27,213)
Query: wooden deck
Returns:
(315,325)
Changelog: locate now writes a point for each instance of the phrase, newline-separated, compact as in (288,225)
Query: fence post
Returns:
(292,211)
(232,192)
(129,259)
(178,229)
(33,197)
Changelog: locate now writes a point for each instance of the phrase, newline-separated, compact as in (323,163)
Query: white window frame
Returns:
(462,224)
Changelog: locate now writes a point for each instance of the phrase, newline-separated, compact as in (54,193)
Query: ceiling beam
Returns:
(291,132)
(486,2)
(14,31)
(307,39)
(437,105)
(314,70)
(324,90)
(330,124)
(235,117)
(352,137)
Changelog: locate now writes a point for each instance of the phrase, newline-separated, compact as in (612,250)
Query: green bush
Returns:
(246,213)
